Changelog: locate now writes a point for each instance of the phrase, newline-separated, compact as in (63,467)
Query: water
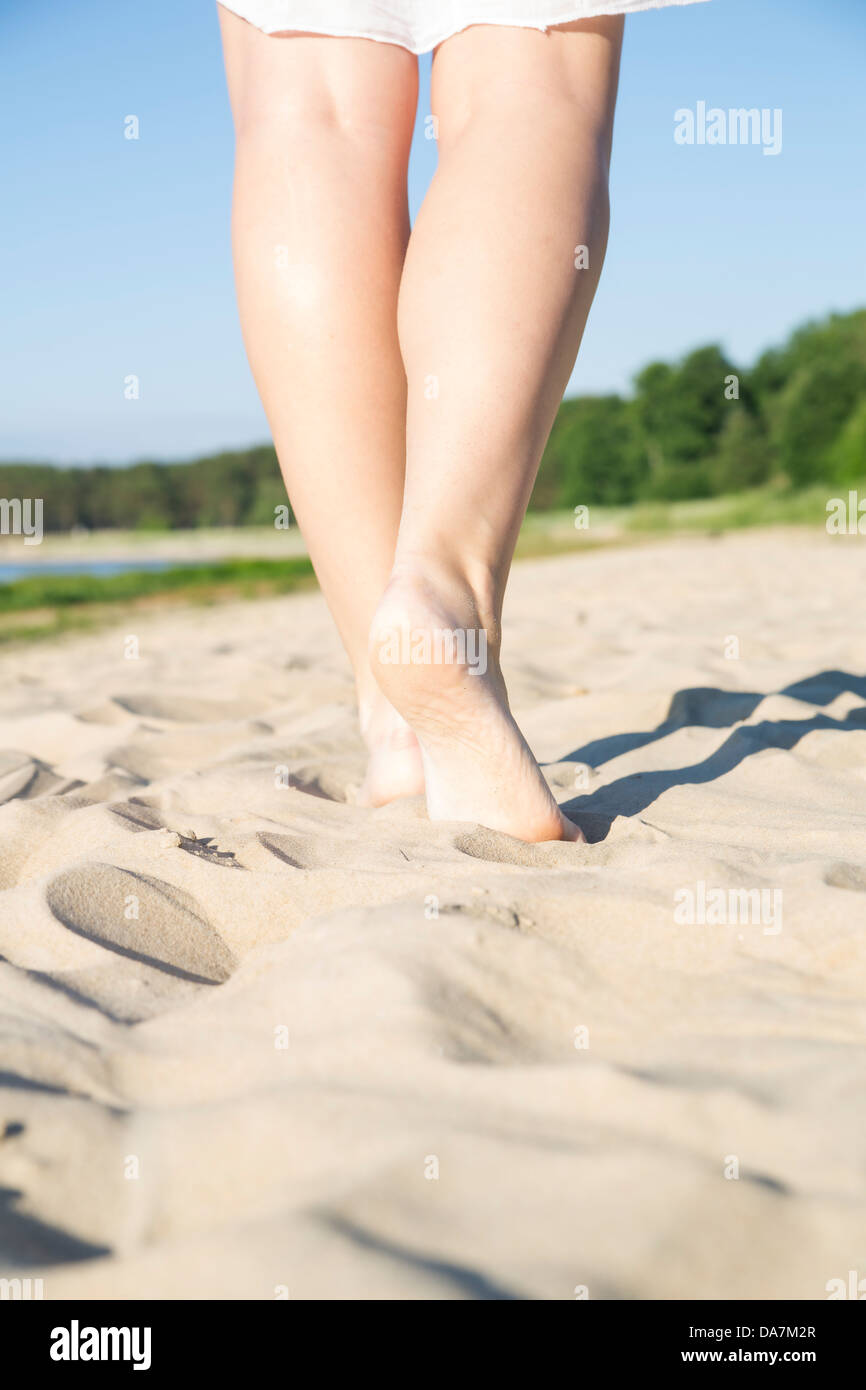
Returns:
(98,567)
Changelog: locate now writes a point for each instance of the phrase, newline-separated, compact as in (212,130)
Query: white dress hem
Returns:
(417,44)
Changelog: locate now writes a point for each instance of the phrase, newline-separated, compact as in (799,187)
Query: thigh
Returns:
(569,72)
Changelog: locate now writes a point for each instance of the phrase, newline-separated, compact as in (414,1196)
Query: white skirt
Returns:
(420,25)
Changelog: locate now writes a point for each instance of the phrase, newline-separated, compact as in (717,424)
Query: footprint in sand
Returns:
(138,815)
(17,771)
(23,776)
(496,848)
(164,927)
(187,709)
(319,852)
(849,876)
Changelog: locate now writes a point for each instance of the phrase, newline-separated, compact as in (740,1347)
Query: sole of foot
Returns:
(436,665)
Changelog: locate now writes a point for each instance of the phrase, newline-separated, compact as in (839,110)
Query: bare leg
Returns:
(492,309)
(320,227)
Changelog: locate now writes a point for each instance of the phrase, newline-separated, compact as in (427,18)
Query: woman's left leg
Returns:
(493,301)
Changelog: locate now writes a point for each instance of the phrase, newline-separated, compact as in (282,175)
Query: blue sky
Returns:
(115,259)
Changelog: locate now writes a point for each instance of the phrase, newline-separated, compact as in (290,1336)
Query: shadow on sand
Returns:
(707,708)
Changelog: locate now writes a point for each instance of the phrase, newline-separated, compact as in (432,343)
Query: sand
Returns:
(257,1042)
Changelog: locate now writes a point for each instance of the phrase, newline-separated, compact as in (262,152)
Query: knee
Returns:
(558,128)
(315,113)
(262,120)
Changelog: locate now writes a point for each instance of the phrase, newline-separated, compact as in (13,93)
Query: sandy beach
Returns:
(257,1042)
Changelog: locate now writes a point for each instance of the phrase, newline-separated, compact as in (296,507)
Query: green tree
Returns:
(846,456)
(591,456)
(743,456)
(679,414)
(813,411)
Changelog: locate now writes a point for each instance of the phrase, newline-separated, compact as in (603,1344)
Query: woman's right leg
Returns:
(320,226)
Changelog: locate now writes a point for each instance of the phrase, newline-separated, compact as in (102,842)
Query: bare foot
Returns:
(394,768)
(439,666)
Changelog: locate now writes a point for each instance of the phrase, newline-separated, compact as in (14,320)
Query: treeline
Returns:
(695,428)
(232,489)
(703,426)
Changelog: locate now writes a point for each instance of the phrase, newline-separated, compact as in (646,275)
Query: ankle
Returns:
(466,590)
(379,721)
